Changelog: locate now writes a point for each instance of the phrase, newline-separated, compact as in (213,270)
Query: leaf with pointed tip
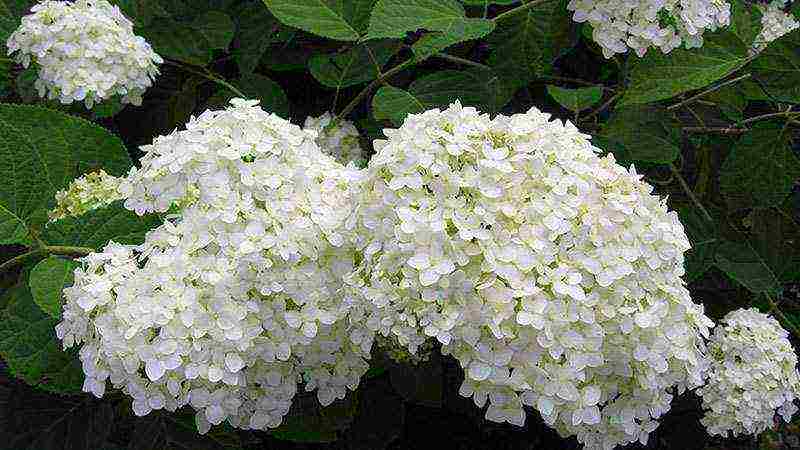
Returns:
(760,169)
(576,99)
(395,104)
(744,265)
(334,19)
(354,66)
(42,151)
(47,279)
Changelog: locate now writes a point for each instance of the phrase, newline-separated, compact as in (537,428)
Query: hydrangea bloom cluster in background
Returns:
(775,23)
(85,51)
(753,375)
(227,306)
(340,140)
(91,191)
(550,273)
(665,24)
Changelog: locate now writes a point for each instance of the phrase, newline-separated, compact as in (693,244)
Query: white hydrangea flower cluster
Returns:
(232,301)
(553,275)
(641,24)
(775,23)
(91,191)
(340,140)
(86,51)
(753,374)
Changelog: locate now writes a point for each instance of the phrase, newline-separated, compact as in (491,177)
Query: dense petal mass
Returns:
(85,51)
(240,294)
(753,375)
(641,24)
(552,274)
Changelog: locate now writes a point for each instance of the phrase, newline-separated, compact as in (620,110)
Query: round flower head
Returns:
(664,24)
(775,23)
(753,375)
(85,51)
(239,294)
(553,275)
(91,191)
(340,140)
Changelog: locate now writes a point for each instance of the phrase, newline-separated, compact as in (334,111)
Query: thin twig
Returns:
(44,251)
(708,91)
(719,130)
(689,192)
(519,9)
(769,116)
(604,106)
(205,73)
(458,60)
(576,81)
(360,96)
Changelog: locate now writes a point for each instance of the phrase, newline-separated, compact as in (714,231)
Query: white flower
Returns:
(753,375)
(665,24)
(239,295)
(91,191)
(86,51)
(340,140)
(553,275)
(775,23)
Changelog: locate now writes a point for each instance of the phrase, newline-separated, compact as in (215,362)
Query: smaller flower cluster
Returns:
(753,375)
(86,51)
(775,23)
(91,191)
(665,24)
(339,140)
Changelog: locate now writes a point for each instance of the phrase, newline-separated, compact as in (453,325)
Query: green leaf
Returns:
(354,66)
(434,42)
(217,27)
(334,19)
(47,279)
(703,237)
(660,76)
(29,346)
(10,13)
(34,420)
(527,43)
(179,41)
(308,422)
(95,228)
(142,12)
(257,87)
(489,2)
(576,99)
(475,87)
(256,30)
(744,265)
(42,151)
(761,168)
(776,237)
(647,134)
(777,69)
(396,18)
(395,104)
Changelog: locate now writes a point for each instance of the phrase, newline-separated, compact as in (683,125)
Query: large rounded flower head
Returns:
(775,23)
(665,24)
(753,375)
(85,51)
(553,275)
(340,140)
(239,294)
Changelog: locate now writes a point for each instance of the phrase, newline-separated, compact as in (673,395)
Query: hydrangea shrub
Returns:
(575,214)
